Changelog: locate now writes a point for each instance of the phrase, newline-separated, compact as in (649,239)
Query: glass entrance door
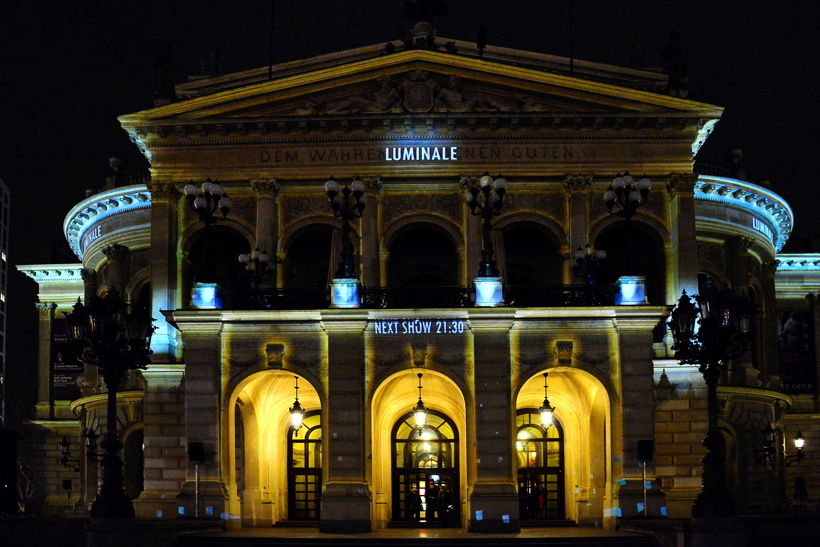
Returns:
(305,468)
(540,468)
(426,459)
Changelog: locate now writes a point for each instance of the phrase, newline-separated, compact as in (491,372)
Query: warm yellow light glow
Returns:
(546,417)
(799,441)
(420,417)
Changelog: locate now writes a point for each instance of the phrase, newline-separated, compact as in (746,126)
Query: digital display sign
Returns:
(400,327)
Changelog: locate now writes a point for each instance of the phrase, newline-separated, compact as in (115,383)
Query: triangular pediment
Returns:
(420,82)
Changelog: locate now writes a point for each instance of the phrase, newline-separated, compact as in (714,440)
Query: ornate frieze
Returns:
(552,204)
(298,207)
(577,183)
(712,254)
(163,190)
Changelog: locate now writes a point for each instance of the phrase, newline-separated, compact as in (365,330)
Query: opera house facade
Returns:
(431,226)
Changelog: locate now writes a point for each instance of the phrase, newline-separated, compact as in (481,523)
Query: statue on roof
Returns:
(676,67)
(422,10)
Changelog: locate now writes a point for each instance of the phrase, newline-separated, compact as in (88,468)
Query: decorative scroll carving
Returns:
(275,354)
(681,183)
(373,185)
(163,190)
(654,205)
(115,252)
(140,260)
(552,204)
(769,268)
(244,209)
(89,276)
(448,205)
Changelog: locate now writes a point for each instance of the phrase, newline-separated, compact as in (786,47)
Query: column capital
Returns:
(46,308)
(681,183)
(265,188)
(163,190)
(88,275)
(114,252)
(769,268)
(577,183)
(739,244)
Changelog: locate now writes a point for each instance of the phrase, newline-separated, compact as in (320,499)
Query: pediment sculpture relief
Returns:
(419,94)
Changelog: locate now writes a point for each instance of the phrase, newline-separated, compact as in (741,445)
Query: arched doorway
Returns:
(426,459)
(305,468)
(540,467)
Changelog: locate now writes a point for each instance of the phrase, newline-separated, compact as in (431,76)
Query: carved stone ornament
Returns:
(275,354)
(563,352)
(739,245)
(163,190)
(419,96)
(46,308)
(298,207)
(577,183)
(681,183)
(265,187)
(419,353)
(385,98)
(311,107)
(448,205)
(769,268)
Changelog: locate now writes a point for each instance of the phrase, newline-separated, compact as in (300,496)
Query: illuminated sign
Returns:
(400,327)
(92,236)
(421,153)
(761,227)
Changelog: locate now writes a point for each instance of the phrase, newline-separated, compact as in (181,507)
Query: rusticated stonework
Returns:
(447,205)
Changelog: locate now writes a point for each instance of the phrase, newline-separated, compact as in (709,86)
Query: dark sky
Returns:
(69,68)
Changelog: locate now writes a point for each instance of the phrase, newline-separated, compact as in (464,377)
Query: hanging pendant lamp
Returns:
(546,410)
(420,412)
(296,411)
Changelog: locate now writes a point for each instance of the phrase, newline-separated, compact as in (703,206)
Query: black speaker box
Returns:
(645,450)
(196,452)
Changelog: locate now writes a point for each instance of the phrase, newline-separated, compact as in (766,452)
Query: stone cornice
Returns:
(105,204)
(53,273)
(755,199)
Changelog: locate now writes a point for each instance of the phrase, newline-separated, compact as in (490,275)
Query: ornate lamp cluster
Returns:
(627,194)
(104,334)
(486,200)
(586,264)
(347,203)
(207,200)
(259,264)
(709,331)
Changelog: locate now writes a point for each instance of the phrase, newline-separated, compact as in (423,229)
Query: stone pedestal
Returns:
(346,508)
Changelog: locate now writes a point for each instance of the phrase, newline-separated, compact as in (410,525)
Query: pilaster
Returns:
(164,232)
(577,187)
(370,268)
(681,189)
(267,222)
(741,370)
(118,274)
(46,317)
(346,499)
(493,504)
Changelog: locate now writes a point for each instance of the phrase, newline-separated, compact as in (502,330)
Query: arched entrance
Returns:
(305,468)
(275,473)
(426,459)
(540,467)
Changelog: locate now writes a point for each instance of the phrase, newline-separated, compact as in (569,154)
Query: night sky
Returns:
(68,69)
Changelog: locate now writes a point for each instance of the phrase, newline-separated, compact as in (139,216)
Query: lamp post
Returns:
(486,200)
(627,194)
(708,332)
(106,335)
(799,443)
(347,204)
(587,262)
(205,202)
(259,264)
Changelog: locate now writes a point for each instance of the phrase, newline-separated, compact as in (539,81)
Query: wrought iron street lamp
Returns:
(546,410)
(486,200)
(799,443)
(627,194)
(105,334)
(65,455)
(297,413)
(708,332)
(420,412)
(347,203)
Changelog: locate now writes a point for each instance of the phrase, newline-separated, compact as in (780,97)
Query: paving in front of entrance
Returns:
(283,536)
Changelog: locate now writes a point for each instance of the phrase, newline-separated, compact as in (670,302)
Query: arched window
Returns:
(422,256)
(634,249)
(216,257)
(531,256)
(308,260)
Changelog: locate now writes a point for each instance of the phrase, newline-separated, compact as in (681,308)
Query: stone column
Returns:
(46,312)
(267,221)
(492,504)
(681,193)
(164,234)
(118,274)
(91,374)
(577,188)
(203,417)
(346,499)
(164,441)
(636,413)
(741,370)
